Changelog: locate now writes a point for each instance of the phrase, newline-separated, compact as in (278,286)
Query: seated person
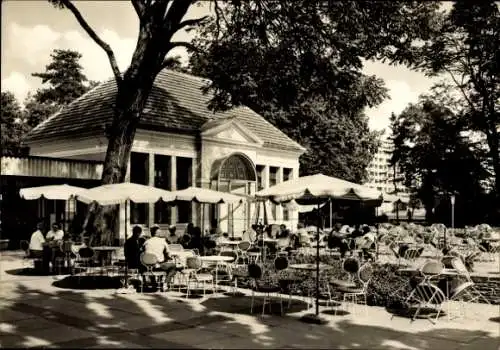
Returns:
(158,246)
(189,229)
(269,231)
(36,242)
(133,249)
(357,232)
(184,240)
(106,235)
(221,239)
(196,241)
(284,232)
(249,236)
(366,242)
(55,234)
(337,239)
(284,241)
(172,236)
(304,239)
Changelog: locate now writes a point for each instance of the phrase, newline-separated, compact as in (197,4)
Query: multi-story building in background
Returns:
(382,175)
(388,180)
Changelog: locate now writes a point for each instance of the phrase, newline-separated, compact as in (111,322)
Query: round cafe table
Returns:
(216,259)
(105,254)
(232,244)
(309,267)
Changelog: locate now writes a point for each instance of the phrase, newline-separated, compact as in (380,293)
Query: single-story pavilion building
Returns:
(179,143)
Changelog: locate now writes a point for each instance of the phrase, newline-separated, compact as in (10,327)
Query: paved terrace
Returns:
(33,312)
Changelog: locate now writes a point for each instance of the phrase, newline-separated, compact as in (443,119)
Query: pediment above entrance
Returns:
(229,130)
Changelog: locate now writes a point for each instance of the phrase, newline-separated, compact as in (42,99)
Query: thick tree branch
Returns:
(167,61)
(461,88)
(174,16)
(83,23)
(191,22)
(185,44)
(139,7)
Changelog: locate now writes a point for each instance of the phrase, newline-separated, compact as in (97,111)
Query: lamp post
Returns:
(452,200)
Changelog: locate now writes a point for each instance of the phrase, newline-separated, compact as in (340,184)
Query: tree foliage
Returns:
(159,20)
(12,125)
(432,149)
(63,81)
(299,65)
(65,78)
(465,46)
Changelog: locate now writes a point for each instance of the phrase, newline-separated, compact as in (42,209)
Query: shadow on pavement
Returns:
(66,318)
(24,272)
(242,305)
(495,319)
(88,282)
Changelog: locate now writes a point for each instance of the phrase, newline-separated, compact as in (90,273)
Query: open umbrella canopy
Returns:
(121,192)
(205,195)
(391,198)
(314,189)
(293,205)
(52,192)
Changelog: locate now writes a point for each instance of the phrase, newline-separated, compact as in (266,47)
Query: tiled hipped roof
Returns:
(176,103)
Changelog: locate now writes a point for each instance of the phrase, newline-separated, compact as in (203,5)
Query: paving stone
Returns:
(21,341)
(51,335)
(156,342)
(10,315)
(30,324)
(192,337)
(482,343)
(421,342)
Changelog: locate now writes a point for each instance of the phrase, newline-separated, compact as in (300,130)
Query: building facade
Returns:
(179,143)
(386,178)
(382,175)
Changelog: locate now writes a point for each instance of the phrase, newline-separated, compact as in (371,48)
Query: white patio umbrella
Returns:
(51,192)
(317,189)
(122,193)
(206,196)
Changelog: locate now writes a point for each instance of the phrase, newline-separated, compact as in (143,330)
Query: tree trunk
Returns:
(494,145)
(131,97)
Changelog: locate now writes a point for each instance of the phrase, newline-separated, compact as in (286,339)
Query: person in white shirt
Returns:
(36,242)
(304,239)
(56,234)
(158,246)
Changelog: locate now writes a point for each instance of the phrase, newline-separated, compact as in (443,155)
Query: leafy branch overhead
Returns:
(299,64)
(465,47)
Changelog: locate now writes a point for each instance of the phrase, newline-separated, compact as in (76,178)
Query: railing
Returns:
(51,167)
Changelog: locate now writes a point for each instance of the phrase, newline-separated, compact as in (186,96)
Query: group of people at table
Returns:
(273,237)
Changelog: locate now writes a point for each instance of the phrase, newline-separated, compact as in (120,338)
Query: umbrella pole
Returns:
(317,264)
(124,245)
(202,207)
(315,318)
(331,215)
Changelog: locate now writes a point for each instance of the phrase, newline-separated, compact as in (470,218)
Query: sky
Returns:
(32,29)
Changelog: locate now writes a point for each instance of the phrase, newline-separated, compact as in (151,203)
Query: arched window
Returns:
(237,167)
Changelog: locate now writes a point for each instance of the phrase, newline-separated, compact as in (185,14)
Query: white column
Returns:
(265,176)
(194,206)
(121,219)
(173,187)
(151,182)
(265,184)
(294,214)
(279,208)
